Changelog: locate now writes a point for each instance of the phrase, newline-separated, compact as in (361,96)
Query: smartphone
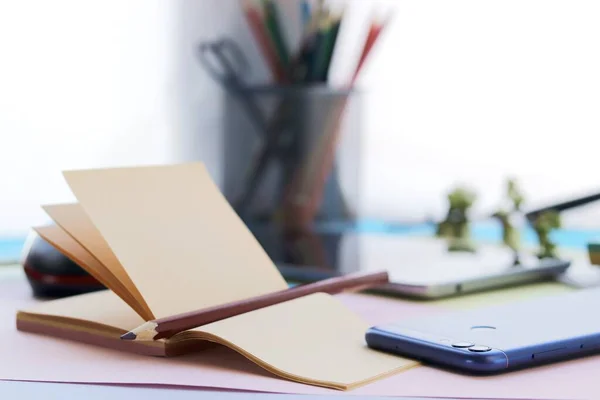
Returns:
(499,338)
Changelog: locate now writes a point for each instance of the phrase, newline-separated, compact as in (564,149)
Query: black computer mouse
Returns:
(51,274)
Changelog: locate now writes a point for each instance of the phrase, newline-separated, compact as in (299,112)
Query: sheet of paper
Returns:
(314,339)
(63,242)
(180,241)
(73,219)
(103,307)
(68,246)
(38,358)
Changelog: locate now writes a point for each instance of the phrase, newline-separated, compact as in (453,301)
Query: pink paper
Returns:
(33,357)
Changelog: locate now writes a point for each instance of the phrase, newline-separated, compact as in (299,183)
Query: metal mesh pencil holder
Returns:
(292,153)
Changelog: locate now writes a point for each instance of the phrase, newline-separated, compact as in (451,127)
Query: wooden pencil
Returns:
(169,326)
(273,26)
(374,31)
(257,26)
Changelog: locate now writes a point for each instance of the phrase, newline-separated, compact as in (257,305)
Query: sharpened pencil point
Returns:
(129,336)
(146,331)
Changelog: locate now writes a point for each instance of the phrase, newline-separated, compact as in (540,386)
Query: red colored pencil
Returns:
(374,32)
(257,26)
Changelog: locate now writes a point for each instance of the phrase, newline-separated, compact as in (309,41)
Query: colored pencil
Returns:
(273,25)
(257,26)
(373,35)
(320,51)
(169,326)
(335,30)
(303,60)
(301,66)
(306,12)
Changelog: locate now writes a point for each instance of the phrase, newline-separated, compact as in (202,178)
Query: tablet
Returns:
(419,267)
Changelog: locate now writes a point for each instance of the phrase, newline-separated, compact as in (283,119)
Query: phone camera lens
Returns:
(463,345)
(479,349)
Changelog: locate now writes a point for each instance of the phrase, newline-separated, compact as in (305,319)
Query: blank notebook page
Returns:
(103,307)
(73,219)
(176,235)
(313,339)
(61,240)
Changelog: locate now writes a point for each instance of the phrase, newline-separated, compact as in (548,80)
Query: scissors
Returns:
(225,62)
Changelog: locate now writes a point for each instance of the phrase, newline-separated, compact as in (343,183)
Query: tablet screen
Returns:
(409,260)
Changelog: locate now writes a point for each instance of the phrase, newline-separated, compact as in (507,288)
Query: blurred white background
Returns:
(462,91)
(474,91)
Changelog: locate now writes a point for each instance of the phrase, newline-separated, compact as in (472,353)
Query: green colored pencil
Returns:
(320,50)
(335,30)
(274,29)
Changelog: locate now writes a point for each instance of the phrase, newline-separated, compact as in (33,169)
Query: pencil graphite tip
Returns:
(146,331)
(129,336)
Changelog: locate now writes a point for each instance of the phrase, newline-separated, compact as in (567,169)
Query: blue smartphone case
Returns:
(499,338)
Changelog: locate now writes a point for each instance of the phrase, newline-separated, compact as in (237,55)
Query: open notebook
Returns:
(165,241)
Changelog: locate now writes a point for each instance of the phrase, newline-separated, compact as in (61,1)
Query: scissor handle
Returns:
(224,60)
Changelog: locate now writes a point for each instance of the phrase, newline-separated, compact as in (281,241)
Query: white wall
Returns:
(87,84)
(473,91)
(83,84)
(455,89)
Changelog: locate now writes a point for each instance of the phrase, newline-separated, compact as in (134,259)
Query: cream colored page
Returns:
(313,339)
(102,307)
(73,219)
(175,234)
(68,246)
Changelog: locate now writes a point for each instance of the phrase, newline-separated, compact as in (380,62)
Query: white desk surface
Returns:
(61,391)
